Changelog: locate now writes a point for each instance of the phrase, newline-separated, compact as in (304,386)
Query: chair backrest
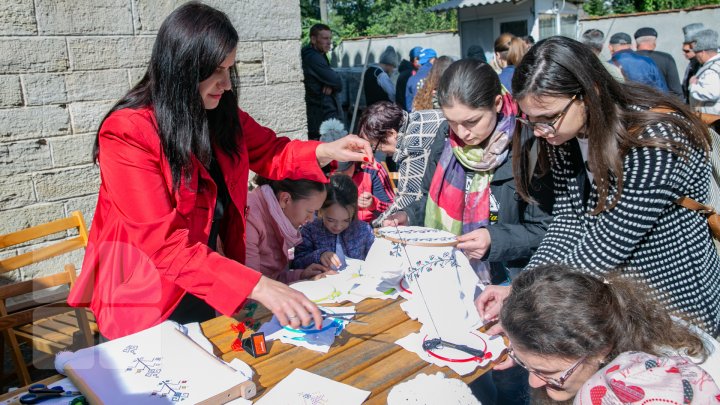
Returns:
(392,175)
(74,221)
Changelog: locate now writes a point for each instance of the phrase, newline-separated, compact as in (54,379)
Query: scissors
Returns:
(342,316)
(41,392)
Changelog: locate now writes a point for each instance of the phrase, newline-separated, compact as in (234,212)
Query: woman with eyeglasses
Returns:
(604,341)
(619,169)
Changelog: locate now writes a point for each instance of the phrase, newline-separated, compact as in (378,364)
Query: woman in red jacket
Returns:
(168,237)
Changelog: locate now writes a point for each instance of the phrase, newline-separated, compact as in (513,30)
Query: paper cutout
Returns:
(304,388)
(430,390)
(309,337)
(458,361)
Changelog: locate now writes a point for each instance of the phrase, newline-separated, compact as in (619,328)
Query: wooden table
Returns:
(364,356)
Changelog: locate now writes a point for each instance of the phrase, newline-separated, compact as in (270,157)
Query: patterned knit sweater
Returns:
(646,234)
(413,148)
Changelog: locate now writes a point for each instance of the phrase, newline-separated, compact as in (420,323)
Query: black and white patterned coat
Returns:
(646,233)
(413,148)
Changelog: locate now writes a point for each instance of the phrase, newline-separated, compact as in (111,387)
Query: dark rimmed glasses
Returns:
(553,382)
(547,128)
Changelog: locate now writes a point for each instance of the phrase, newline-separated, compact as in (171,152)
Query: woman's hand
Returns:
(365,200)
(399,218)
(290,306)
(330,260)
(475,244)
(350,148)
(490,302)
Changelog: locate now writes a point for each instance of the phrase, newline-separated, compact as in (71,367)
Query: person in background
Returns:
(514,55)
(337,233)
(377,84)
(603,340)
(276,211)
(645,44)
(401,85)
(168,237)
(619,170)
(415,83)
(426,97)
(476,52)
(407,138)
(705,85)
(529,41)
(687,48)
(634,67)
(501,47)
(595,39)
(322,83)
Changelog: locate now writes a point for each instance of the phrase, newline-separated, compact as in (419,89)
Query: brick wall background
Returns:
(63,63)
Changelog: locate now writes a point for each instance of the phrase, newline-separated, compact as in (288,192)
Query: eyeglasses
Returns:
(553,382)
(547,128)
(687,50)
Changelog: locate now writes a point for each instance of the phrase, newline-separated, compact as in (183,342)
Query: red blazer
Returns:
(148,243)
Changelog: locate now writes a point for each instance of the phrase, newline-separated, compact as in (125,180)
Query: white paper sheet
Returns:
(157,366)
(351,284)
(493,346)
(431,389)
(304,388)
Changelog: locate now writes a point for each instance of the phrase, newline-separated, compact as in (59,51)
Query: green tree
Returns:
(352,18)
(604,7)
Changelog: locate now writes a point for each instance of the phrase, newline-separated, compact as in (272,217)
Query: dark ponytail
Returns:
(298,189)
(342,191)
(470,82)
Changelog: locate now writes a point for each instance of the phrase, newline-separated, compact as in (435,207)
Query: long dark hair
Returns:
(562,67)
(342,191)
(191,43)
(555,310)
(470,82)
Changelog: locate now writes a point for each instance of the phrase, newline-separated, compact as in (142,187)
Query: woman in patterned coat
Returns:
(618,170)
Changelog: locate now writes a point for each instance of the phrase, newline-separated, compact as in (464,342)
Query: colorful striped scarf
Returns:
(453,205)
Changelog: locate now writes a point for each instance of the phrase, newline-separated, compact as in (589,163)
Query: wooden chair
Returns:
(49,327)
(393,176)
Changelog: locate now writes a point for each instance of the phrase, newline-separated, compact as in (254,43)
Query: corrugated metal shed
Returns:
(453,4)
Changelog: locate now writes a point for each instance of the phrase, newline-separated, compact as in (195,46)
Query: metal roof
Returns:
(453,4)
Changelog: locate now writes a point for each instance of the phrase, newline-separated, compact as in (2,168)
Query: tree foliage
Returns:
(353,18)
(606,7)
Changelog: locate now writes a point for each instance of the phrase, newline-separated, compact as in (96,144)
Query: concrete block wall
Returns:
(63,63)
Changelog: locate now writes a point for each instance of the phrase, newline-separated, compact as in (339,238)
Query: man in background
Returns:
(322,83)
(705,85)
(634,67)
(405,75)
(377,84)
(645,44)
(595,39)
(689,32)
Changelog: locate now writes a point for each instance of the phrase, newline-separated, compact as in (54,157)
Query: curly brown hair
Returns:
(424,98)
(556,310)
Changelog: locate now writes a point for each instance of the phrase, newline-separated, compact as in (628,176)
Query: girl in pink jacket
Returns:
(276,211)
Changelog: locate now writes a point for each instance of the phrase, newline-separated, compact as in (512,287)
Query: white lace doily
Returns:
(432,389)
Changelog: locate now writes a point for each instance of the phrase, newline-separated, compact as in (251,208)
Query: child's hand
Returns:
(365,200)
(330,260)
(313,270)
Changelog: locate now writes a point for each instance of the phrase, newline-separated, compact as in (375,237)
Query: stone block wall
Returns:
(63,63)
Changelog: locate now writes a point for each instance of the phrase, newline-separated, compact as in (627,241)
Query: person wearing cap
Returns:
(476,52)
(426,59)
(595,39)
(322,83)
(705,85)
(645,44)
(635,67)
(405,75)
(377,84)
